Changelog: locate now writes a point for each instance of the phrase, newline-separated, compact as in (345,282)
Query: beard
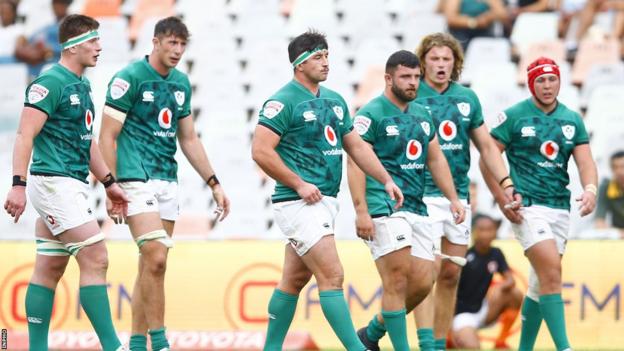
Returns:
(402,94)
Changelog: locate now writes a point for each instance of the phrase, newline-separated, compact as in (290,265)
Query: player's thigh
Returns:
(169,226)
(295,274)
(61,202)
(143,223)
(304,225)
(322,259)
(391,235)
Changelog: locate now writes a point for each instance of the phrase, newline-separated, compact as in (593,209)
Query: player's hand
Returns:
(15,203)
(223,203)
(395,194)
(309,193)
(587,203)
(458,210)
(512,205)
(364,226)
(118,206)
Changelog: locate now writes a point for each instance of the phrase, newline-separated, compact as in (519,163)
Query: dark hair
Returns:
(480,216)
(402,58)
(616,155)
(443,39)
(307,41)
(171,25)
(74,25)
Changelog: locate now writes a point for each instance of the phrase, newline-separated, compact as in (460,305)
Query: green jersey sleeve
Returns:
(186,96)
(581,136)
(121,92)
(502,129)
(276,116)
(342,112)
(366,126)
(44,94)
(477,118)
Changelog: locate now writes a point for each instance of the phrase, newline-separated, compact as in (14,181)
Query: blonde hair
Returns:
(442,39)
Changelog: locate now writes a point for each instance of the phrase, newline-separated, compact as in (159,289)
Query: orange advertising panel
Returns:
(225,286)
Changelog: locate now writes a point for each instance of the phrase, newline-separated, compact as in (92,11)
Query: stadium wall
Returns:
(223,287)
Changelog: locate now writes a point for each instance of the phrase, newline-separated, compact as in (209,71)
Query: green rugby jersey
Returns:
(401,141)
(538,147)
(62,147)
(153,104)
(311,130)
(455,112)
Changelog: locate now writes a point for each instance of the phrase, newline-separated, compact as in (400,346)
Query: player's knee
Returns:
(449,275)
(93,257)
(550,281)
(155,262)
(299,280)
(51,270)
(466,341)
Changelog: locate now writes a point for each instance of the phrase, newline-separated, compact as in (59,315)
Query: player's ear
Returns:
(388,79)
(155,41)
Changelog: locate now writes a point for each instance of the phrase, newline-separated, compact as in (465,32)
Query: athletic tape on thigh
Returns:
(159,235)
(74,248)
(534,286)
(48,247)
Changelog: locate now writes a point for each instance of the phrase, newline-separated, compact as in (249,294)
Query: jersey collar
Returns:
(432,91)
(304,89)
(153,71)
(394,107)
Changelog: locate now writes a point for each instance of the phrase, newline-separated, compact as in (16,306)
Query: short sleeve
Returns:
(44,94)
(477,117)
(502,129)
(121,92)
(186,105)
(581,136)
(365,125)
(275,115)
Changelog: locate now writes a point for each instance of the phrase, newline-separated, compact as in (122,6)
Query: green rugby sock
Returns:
(337,314)
(440,344)
(397,328)
(551,306)
(39,302)
(94,300)
(138,342)
(375,329)
(425,339)
(159,339)
(531,322)
(281,312)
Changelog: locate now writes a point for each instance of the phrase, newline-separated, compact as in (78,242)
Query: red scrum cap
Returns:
(539,67)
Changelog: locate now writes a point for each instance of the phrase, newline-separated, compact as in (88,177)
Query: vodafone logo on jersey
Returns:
(330,136)
(164,118)
(88,120)
(447,130)
(549,149)
(413,150)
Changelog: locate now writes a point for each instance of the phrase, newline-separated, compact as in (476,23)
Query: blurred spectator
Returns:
(516,7)
(479,302)
(569,10)
(587,16)
(10,31)
(43,46)
(611,197)
(469,19)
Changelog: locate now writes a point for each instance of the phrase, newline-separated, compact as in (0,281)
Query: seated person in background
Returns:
(479,303)
(468,19)
(516,7)
(43,46)
(10,31)
(611,197)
